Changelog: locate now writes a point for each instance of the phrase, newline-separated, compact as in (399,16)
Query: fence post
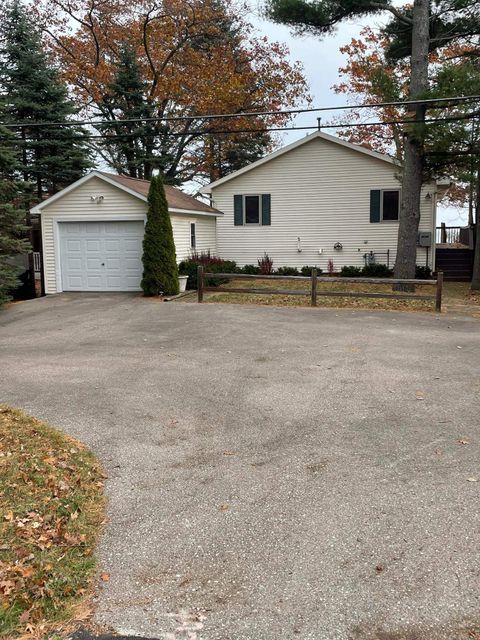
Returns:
(438,302)
(443,233)
(314,287)
(200,283)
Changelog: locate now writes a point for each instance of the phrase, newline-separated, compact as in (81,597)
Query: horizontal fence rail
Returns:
(314,279)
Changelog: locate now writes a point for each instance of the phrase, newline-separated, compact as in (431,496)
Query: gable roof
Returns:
(294,145)
(178,201)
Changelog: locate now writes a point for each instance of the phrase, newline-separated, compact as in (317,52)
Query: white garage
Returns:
(92,232)
(101,256)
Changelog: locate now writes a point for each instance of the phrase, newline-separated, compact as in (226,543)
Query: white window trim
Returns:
(382,191)
(260,211)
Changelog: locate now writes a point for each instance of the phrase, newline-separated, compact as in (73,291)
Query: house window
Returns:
(249,210)
(390,204)
(252,209)
(193,236)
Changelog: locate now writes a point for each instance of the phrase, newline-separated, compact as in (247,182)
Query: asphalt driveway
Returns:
(273,473)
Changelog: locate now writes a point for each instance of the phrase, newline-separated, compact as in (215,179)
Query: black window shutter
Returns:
(375,196)
(238,210)
(266,208)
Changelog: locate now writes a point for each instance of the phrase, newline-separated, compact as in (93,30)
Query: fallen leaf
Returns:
(379,568)
(105,577)
(463,442)
(224,507)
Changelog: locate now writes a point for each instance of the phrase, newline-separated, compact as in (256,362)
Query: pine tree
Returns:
(52,157)
(12,219)
(130,145)
(160,272)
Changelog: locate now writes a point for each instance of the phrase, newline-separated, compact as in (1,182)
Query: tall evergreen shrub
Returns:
(160,271)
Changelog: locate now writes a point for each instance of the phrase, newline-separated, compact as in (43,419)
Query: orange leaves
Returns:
(193,55)
(51,509)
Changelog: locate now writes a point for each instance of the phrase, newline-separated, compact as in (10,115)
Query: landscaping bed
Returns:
(52,506)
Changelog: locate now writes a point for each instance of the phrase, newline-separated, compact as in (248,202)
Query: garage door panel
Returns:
(94,264)
(74,264)
(102,256)
(93,245)
(93,228)
(133,244)
(74,245)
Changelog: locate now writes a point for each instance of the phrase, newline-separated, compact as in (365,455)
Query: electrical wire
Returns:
(248,114)
(199,133)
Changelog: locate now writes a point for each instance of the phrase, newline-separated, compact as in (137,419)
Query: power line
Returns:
(247,114)
(199,133)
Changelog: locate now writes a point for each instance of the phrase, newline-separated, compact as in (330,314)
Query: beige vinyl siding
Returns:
(320,193)
(116,205)
(205,234)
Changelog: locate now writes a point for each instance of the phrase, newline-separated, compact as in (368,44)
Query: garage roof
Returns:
(178,201)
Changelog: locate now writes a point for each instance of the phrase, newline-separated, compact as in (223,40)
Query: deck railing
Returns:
(452,235)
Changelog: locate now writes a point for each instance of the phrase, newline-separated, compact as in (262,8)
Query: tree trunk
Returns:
(475,286)
(414,146)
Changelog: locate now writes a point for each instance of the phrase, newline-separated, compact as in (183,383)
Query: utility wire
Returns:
(116,137)
(247,114)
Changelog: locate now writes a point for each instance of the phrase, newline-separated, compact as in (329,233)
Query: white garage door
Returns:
(101,256)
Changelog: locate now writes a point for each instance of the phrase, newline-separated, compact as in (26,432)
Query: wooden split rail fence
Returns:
(314,279)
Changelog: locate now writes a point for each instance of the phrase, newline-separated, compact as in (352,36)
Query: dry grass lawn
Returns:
(52,506)
(454,294)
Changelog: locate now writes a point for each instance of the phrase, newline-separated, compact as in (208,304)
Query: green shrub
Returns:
(210,264)
(251,269)
(287,271)
(307,271)
(349,271)
(160,272)
(375,270)
(423,273)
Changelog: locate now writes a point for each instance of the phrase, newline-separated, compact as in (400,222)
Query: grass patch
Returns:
(322,301)
(52,506)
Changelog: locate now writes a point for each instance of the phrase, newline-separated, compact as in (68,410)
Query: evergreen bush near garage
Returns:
(160,272)
(210,263)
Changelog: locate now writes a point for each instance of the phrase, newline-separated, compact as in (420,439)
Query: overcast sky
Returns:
(321,60)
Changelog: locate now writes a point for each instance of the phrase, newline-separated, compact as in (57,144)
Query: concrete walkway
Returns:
(273,473)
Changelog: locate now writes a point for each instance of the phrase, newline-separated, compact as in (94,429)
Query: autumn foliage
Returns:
(52,506)
(194,57)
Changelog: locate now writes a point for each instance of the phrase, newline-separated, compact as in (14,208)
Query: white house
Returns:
(316,200)
(92,232)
